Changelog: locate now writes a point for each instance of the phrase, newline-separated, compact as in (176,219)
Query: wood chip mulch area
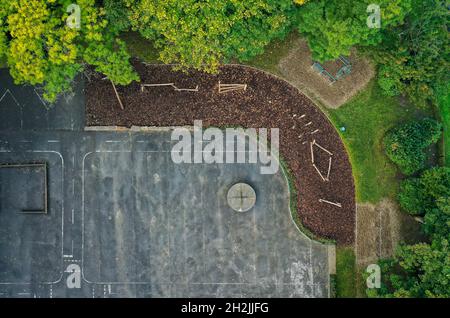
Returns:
(268,102)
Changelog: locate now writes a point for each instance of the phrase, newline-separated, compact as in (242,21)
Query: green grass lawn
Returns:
(366,118)
(443,99)
(346,273)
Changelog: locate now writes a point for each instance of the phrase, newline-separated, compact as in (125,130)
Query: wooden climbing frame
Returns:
(226,88)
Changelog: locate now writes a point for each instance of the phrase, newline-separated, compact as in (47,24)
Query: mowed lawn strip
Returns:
(346,273)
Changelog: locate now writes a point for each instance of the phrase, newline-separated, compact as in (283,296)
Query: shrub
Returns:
(203,34)
(405,145)
(419,195)
(437,220)
(41,49)
(117,15)
(414,55)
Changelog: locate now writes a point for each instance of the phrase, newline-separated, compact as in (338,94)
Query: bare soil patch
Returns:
(296,67)
(380,229)
(268,102)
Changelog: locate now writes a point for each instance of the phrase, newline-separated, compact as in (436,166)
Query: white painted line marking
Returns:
(17,103)
(62,218)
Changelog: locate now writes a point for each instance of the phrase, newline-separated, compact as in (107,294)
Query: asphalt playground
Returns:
(124,220)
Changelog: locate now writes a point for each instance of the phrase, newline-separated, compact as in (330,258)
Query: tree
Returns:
(405,145)
(419,195)
(202,34)
(413,57)
(42,49)
(423,269)
(117,15)
(420,270)
(437,219)
(333,27)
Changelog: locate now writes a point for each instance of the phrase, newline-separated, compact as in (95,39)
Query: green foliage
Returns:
(345,273)
(423,269)
(410,196)
(202,34)
(418,195)
(117,15)
(405,144)
(110,62)
(367,118)
(443,101)
(3,39)
(413,57)
(420,270)
(333,27)
(41,49)
(437,219)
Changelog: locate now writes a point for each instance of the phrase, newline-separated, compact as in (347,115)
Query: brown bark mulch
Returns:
(268,102)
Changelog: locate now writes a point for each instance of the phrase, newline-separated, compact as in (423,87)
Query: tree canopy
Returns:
(414,56)
(42,49)
(405,144)
(419,195)
(333,27)
(202,34)
(417,271)
(422,269)
(410,47)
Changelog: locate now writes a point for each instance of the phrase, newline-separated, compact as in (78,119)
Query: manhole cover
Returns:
(241,197)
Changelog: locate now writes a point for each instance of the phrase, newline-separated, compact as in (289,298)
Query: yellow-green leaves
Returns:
(42,49)
(202,34)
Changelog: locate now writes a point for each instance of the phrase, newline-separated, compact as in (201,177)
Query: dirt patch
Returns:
(380,229)
(268,102)
(296,67)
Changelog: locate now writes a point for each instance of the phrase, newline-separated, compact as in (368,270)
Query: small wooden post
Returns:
(339,205)
(318,171)
(327,151)
(329,169)
(117,95)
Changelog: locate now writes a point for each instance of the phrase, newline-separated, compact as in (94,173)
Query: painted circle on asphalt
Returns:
(241,197)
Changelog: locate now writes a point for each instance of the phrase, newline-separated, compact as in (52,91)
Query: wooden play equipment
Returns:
(311,146)
(117,95)
(226,88)
(177,89)
(345,70)
(339,205)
